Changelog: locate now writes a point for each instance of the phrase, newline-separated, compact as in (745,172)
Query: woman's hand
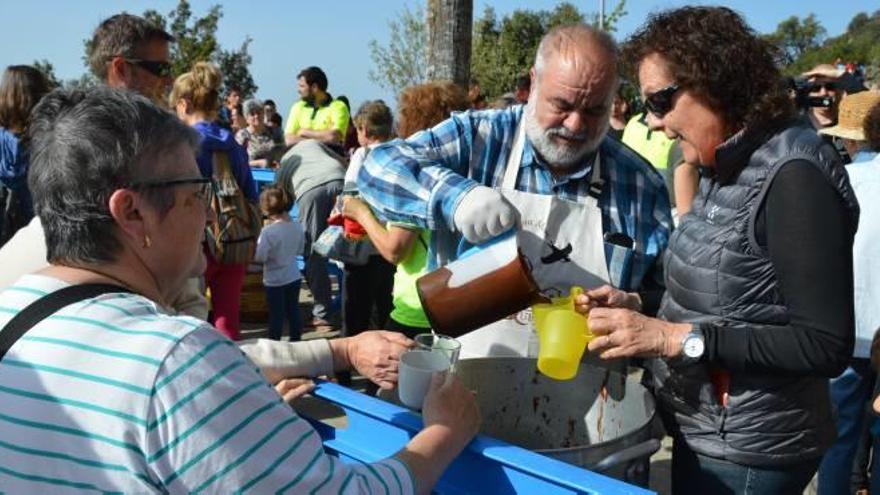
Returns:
(291,389)
(607,297)
(450,405)
(625,333)
(355,208)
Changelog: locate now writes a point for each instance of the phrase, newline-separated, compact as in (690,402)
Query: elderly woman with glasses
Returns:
(758,309)
(102,390)
(257,138)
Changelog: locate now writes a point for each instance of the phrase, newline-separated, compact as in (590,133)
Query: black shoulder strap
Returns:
(47,305)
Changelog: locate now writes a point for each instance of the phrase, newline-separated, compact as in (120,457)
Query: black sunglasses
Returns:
(154,67)
(659,102)
(829,86)
(205,192)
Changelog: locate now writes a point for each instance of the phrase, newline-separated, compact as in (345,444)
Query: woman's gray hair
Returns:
(85,145)
(252,106)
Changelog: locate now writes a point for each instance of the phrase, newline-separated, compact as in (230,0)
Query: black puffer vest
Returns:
(716,272)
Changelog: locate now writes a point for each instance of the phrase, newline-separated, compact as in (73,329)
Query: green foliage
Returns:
(48,71)
(234,66)
(505,49)
(403,61)
(794,37)
(87,80)
(860,44)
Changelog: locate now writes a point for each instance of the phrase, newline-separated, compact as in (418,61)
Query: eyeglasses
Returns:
(659,102)
(154,67)
(205,192)
(829,86)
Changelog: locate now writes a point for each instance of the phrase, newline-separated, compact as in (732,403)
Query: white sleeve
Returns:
(278,360)
(264,243)
(354,165)
(214,425)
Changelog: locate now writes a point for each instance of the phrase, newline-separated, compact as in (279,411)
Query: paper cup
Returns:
(414,375)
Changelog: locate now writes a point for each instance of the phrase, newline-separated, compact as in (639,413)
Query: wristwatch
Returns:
(693,344)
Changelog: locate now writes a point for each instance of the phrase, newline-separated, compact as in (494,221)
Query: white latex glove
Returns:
(482,214)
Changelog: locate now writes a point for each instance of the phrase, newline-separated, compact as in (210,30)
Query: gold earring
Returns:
(147,242)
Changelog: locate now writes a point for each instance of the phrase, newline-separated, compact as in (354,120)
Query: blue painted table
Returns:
(377,429)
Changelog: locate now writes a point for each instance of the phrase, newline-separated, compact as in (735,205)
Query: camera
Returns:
(801,89)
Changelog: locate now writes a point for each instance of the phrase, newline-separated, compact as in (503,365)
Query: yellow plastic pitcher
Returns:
(563,334)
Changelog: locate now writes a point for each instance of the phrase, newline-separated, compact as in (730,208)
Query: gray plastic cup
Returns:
(414,375)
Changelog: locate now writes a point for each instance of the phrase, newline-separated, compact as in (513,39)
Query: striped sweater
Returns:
(112,395)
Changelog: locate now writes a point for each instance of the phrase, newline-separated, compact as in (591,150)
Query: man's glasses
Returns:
(659,102)
(154,67)
(205,191)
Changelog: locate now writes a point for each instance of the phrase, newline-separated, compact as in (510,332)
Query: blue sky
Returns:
(292,34)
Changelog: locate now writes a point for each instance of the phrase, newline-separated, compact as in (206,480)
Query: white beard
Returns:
(555,154)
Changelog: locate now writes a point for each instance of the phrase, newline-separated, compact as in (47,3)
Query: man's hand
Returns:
(355,208)
(482,214)
(376,355)
(291,389)
(607,297)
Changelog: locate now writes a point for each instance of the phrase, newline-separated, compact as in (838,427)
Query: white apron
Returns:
(563,241)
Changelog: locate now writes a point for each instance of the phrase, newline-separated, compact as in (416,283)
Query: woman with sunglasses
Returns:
(758,309)
(196,98)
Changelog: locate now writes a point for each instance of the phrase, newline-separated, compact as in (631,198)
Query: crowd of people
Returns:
(726,221)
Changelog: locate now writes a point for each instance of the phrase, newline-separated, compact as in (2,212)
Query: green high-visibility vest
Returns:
(652,145)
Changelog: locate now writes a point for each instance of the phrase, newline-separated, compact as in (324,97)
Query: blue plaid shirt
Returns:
(421,180)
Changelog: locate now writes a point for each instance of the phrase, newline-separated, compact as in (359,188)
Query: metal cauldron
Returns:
(599,419)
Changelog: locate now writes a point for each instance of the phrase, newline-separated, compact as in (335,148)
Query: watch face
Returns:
(693,347)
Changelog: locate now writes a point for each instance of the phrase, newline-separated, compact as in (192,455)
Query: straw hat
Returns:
(826,71)
(851,116)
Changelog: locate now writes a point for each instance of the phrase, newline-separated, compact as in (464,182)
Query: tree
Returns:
(48,71)
(611,19)
(449,40)
(502,51)
(859,44)
(87,80)
(505,49)
(403,61)
(234,66)
(795,37)
(196,41)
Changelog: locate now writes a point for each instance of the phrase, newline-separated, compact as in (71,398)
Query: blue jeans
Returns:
(284,303)
(697,474)
(851,396)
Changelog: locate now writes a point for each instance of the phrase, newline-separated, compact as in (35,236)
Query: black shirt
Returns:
(803,225)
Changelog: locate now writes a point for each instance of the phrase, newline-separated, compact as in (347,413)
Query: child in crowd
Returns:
(280,242)
(368,286)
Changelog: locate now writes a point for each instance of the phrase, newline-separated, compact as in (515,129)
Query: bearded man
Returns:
(545,167)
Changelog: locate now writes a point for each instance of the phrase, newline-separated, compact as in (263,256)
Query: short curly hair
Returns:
(425,105)
(713,53)
(872,128)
